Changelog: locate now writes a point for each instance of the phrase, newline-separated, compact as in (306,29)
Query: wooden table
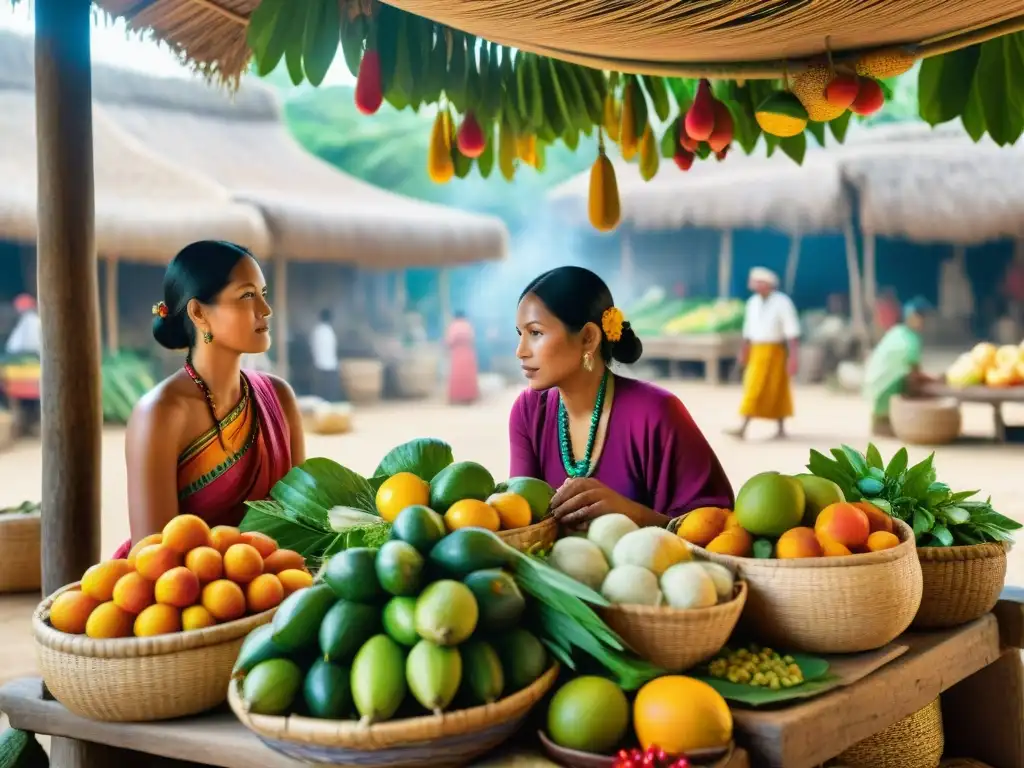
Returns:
(994,396)
(976,669)
(708,348)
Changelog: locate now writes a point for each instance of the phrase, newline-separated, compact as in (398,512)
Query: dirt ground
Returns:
(824,419)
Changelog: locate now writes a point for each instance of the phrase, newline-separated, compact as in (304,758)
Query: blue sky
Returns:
(112,45)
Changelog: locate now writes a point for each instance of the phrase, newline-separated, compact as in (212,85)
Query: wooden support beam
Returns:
(68,292)
(111,306)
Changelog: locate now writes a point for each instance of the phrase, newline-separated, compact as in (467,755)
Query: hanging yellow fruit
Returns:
(648,154)
(612,116)
(628,140)
(603,205)
(439,154)
(507,151)
(527,150)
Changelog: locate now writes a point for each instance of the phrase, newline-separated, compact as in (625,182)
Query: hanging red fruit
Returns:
(842,90)
(470,139)
(721,136)
(683,158)
(870,97)
(700,118)
(369,91)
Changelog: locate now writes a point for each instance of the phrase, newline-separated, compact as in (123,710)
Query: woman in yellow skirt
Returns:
(771,334)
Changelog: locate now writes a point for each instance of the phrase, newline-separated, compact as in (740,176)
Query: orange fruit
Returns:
(224,600)
(186,532)
(178,587)
(293,580)
(98,582)
(513,510)
(844,523)
(263,593)
(158,619)
(242,563)
(156,559)
(830,547)
(109,620)
(798,542)
(881,540)
(735,541)
(877,519)
(223,536)
(470,513)
(702,525)
(399,491)
(133,593)
(153,538)
(260,542)
(731,522)
(680,714)
(206,563)
(283,560)
(196,617)
(70,612)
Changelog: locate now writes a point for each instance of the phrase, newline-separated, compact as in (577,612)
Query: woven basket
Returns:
(673,638)
(963,762)
(20,559)
(362,378)
(539,536)
(453,738)
(329,420)
(845,604)
(925,421)
(916,741)
(961,584)
(416,376)
(139,679)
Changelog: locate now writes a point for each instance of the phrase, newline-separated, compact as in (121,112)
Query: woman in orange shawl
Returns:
(211,436)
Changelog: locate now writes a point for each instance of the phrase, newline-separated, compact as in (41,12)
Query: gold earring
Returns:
(588,362)
(207,337)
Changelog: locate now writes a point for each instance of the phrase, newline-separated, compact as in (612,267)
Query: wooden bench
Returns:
(708,348)
(996,397)
(977,670)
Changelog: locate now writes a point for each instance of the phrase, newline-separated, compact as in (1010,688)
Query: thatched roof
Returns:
(923,184)
(743,38)
(146,208)
(314,211)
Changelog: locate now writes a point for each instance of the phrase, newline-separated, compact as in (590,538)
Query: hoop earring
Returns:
(207,337)
(588,362)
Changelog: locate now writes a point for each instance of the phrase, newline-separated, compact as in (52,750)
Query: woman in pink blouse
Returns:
(606,443)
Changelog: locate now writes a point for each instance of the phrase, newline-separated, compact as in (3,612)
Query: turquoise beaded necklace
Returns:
(581,468)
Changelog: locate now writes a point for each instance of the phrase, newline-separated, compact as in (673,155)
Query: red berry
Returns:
(623,754)
(660,754)
(636,754)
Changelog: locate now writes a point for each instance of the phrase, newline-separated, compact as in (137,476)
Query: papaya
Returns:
(498,597)
(458,481)
(327,690)
(523,658)
(446,613)
(352,574)
(612,117)
(258,646)
(628,139)
(439,157)
(419,526)
(470,549)
(433,673)
(603,204)
(378,679)
(648,154)
(271,686)
(297,621)
(483,679)
(399,620)
(536,492)
(345,628)
(399,568)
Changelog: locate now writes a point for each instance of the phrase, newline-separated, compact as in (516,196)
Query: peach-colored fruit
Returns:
(263,593)
(186,532)
(293,580)
(156,559)
(223,536)
(70,612)
(798,542)
(224,600)
(242,563)
(159,619)
(844,523)
(196,617)
(702,525)
(283,560)
(153,538)
(206,563)
(731,522)
(108,621)
(877,519)
(830,547)
(263,543)
(733,542)
(178,587)
(880,540)
(98,582)
(133,593)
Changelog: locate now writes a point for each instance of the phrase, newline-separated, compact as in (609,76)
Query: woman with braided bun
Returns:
(211,436)
(606,443)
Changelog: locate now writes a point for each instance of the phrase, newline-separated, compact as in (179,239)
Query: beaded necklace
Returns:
(581,468)
(210,404)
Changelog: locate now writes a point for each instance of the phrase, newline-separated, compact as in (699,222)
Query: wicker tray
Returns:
(831,604)
(433,740)
(20,563)
(139,679)
(538,536)
(961,584)
(673,638)
(916,741)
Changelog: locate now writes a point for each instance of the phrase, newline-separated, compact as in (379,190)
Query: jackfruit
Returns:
(890,62)
(809,87)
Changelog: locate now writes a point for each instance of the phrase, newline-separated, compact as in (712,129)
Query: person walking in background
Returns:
(771,333)
(26,337)
(323,344)
(463,383)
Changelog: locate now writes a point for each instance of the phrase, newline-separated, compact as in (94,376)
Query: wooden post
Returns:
(792,262)
(725,264)
(68,292)
(281,314)
(856,291)
(110,269)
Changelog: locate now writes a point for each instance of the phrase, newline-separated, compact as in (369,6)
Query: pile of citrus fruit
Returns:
(187,577)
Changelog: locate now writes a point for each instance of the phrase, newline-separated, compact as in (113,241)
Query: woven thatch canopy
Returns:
(748,36)
(146,208)
(928,185)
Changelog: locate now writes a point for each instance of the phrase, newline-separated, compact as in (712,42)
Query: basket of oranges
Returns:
(154,636)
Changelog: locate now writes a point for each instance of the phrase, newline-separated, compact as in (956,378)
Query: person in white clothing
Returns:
(26,337)
(323,344)
(771,335)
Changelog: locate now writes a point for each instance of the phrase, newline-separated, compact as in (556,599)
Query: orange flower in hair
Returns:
(611,323)
(160,309)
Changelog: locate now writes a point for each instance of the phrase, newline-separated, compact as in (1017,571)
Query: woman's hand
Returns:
(581,499)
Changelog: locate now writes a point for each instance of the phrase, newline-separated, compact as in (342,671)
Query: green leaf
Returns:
(795,147)
(424,457)
(682,91)
(746,131)
(316,485)
(944,84)
(1000,72)
(962,496)
(973,117)
(919,477)
(817,680)
(669,140)
(942,535)
(956,515)
(839,126)
(287,529)
(923,521)
(897,464)
(874,458)
(882,504)
(771,144)
(817,130)
(822,466)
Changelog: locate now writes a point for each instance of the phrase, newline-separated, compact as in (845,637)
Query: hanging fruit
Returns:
(700,117)
(722,153)
(870,98)
(649,158)
(369,91)
(683,159)
(628,138)
(842,90)
(612,117)
(891,62)
(603,205)
(471,139)
(722,134)
(440,166)
(685,141)
(809,87)
(782,115)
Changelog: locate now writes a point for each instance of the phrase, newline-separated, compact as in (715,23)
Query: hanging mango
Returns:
(440,166)
(603,205)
